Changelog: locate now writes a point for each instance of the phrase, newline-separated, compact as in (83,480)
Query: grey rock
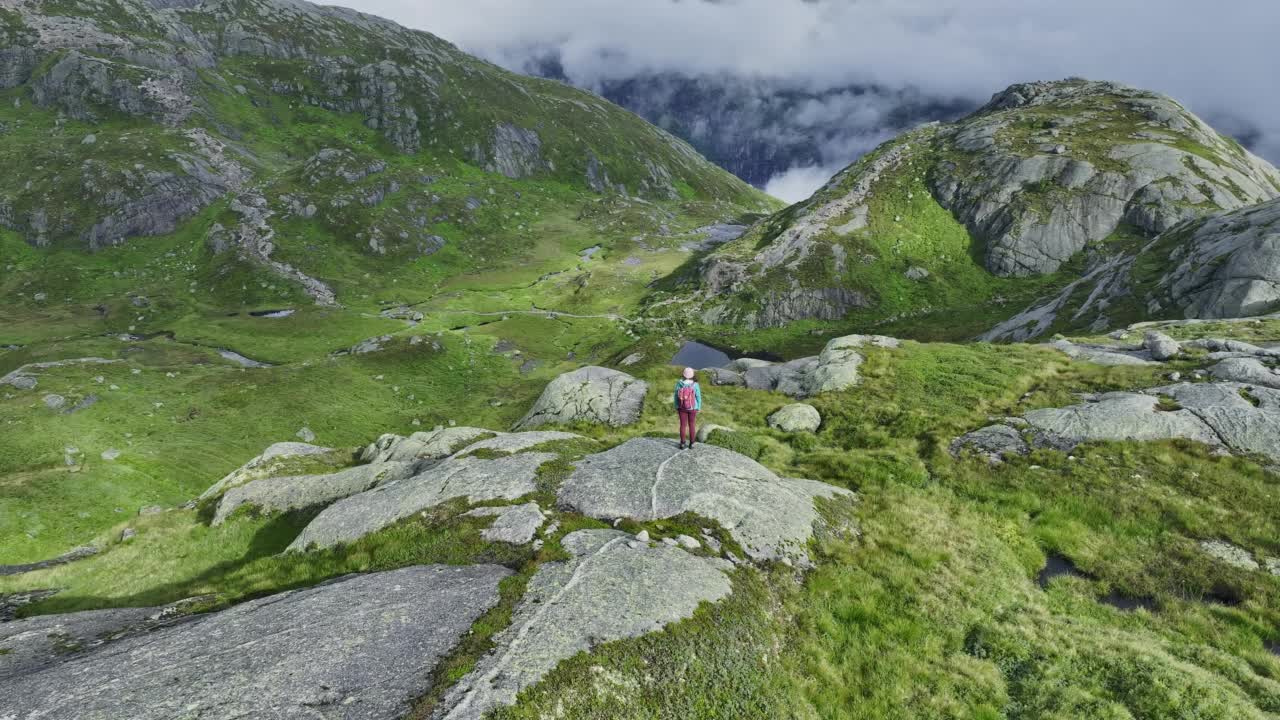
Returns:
(477,480)
(705,430)
(306,435)
(917,273)
(1232,555)
(724,376)
(37,642)
(834,369)
(263,465)
(11,603)
(994,442)
(75,554)
(797,417)
(1229,266)
(433,445)
(128,534)
(1246,370)
(590,394)
(1121,416)
(607,591)
(283,494)
(647,479)
(110,454)
(515,524)
(1161,346)
(22,382)
(1272,565)
(516,442)
(516,152)
(688,543)
(1102,355)
(364,646)
(54,402)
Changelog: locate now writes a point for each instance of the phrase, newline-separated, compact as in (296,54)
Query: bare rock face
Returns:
(1235,416)
(997,189)
(1229,267)
(272,461)
(613,587)
(516,152)
(649,479)
(473,478)
(590,394)
(364,646)
(282,494)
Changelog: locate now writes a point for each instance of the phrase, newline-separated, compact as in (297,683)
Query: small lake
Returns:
(700,355)
(696,355)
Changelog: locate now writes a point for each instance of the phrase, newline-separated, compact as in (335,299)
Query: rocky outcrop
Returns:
(433,445)
(275,460)
(515,524)
(645,479)
(797,417)
(613,587)
(1233,416)
(364,646)
(1035,200)
(591,394)
(515,152)
(834,369)
(283,494)
(1229,266)
(472,478)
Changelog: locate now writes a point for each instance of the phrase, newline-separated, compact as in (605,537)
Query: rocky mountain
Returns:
(759,128)
(1047,182)
(134,118)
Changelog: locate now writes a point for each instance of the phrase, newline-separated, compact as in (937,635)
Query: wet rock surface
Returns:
(359,647)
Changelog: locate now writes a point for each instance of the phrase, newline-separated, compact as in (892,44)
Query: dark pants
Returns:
(687,418)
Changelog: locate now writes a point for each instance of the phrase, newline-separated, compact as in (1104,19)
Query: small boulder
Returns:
(916,273)
(54,402)
(110,454)
(1232,555)
(797,417)
(704,431)
(1161,346)
(994,442)
(23,382)
(590,394)
(306,435)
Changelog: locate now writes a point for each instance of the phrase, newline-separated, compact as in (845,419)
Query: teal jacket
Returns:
(697,395)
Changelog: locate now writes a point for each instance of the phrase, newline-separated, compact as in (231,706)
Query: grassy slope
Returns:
(932,611)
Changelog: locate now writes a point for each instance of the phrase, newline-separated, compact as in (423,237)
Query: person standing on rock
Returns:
(688,401)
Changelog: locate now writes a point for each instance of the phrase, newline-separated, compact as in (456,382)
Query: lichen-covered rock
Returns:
(1229,266)
(271,461)
(432,445)
(613,587)
(994,442)
(515,524)
(1246,370)
(1102,354)
(797,417)
(364,646)
(590,394)
(283,494)
(478,480)
(1161,346)
(834,369)
(648,479)
(1233,555)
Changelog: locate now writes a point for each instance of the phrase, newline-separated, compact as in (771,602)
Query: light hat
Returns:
(688,373)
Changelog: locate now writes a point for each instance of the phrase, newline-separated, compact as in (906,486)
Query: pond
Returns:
(700,355)
(696,355)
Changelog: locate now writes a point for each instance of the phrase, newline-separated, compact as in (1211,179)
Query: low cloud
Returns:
(1214,57)
(799,183)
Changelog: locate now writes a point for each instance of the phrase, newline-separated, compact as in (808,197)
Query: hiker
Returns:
(688,400)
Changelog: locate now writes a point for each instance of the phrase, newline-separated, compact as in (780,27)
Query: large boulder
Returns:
(797,417)
(646,479)
(433,445)
(613,587)
(590,394)
(1161,346)
(365,646)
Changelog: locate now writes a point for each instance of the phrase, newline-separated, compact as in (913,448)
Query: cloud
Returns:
(800,182)
(1215,57)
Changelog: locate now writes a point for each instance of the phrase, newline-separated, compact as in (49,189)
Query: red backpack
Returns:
(687,397)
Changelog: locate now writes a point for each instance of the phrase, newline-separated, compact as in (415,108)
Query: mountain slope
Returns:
(1040,185)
